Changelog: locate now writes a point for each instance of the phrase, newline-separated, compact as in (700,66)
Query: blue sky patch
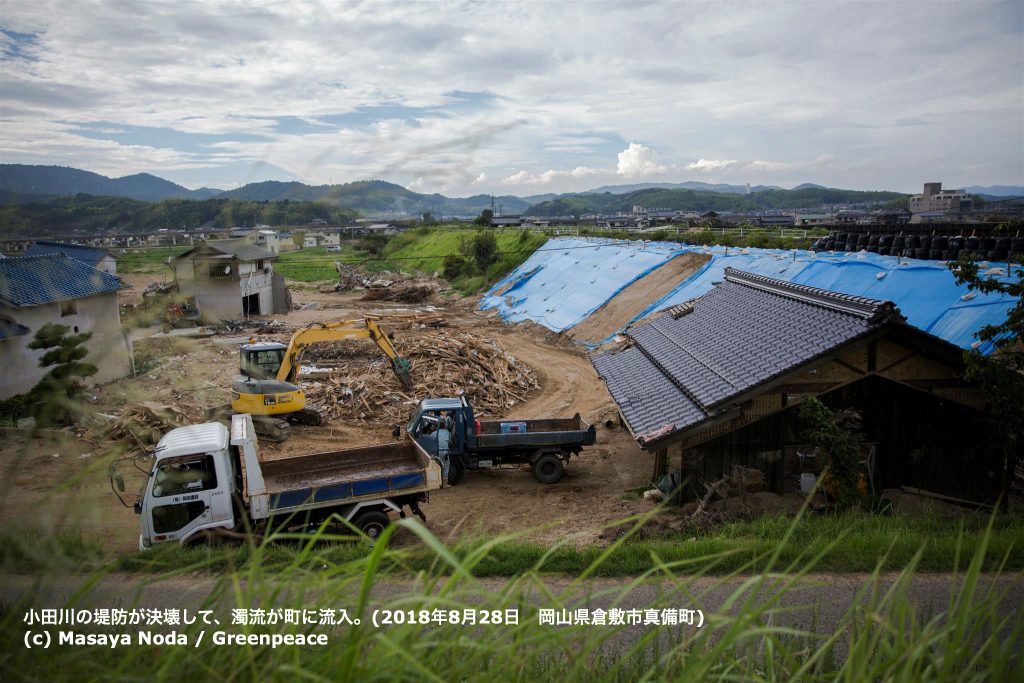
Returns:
(16,45)
(158,137)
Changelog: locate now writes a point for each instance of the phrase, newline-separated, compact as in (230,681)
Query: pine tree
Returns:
(54,399)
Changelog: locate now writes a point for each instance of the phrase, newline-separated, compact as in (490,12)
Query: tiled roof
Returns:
(240,249)
(692,360)
(35,280)
(90,256)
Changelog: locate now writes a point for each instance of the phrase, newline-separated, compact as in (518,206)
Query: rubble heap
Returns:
(141,425)
(361,386)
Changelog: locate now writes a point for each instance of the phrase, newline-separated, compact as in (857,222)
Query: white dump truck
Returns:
(206,481)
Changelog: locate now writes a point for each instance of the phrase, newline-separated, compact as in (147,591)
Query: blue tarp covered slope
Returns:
(568,279)
(571,278)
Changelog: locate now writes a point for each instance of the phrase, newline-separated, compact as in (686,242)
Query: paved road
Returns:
(815,602)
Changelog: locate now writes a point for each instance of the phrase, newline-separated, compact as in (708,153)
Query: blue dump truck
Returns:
(545,445)
(207,481)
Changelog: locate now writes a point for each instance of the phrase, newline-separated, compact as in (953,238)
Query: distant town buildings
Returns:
(934,198)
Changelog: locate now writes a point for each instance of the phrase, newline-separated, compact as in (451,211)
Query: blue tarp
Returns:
(568,279)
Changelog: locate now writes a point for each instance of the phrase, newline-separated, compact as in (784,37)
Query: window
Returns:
(168,518)
(68,308)
(185,475)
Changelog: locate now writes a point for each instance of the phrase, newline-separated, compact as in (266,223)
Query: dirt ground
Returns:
(632,300)
(62,477)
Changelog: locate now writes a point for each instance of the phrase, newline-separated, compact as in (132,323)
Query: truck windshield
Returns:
(186,475)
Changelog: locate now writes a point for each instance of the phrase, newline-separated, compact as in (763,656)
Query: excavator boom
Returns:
(338,331)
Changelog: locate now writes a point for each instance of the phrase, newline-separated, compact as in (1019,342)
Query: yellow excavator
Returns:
(266,387)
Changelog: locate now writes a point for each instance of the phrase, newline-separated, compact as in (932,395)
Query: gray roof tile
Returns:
(743,333)
(240,249)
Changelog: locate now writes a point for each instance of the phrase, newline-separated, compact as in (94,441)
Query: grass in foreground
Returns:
(753,629)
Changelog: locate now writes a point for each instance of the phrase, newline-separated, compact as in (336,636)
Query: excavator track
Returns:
(313,416)
(270,428)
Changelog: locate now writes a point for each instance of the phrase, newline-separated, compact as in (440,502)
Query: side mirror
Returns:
(396,432)
(137,507)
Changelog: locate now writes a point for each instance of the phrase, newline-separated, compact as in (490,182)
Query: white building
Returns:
(934,198)
(54,288)
(230,279)
(266,238)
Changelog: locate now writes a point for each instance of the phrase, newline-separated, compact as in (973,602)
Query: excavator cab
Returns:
(261,360)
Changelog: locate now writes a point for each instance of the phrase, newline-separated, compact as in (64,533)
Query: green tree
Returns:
(836,435)
(55,398)
(481,249)
(1001,373)
(484,218)
(428,218)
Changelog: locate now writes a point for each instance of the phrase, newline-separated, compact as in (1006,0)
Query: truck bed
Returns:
(554,432)
(348,475)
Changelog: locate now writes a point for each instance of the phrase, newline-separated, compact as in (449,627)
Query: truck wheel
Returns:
(456,471)
(372,523)
(548,469)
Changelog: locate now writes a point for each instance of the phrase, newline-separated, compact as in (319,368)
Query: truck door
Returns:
(181,493)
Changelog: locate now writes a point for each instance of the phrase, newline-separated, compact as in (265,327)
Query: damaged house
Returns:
(55,288)
(718,381)
(231,279)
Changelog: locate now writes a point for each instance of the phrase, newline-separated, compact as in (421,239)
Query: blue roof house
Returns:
(58,288)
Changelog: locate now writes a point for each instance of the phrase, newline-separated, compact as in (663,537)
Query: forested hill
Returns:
(693,200)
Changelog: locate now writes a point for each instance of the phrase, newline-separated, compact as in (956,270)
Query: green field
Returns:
(313,264)
(421,250)
(146,260)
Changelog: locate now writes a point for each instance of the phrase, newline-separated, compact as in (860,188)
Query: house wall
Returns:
(922,440)
(221,298)
(108,265)
(109,350)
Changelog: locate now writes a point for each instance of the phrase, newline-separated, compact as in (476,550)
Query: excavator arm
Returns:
(338,331)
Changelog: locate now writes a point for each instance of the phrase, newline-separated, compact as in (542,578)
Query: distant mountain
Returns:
(810,186)
(997,190)
(21,182)
(376,198)
(688,185)
(691,200)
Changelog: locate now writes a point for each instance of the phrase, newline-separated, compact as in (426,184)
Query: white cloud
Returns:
(412,91)
(637,161)
(482,178)
(550,175)
(711,165)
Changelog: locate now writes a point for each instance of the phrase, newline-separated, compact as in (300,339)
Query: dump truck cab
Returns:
(189,487)
(546,445)
(206,481)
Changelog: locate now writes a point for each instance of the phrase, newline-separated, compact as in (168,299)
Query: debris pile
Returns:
(256,326)
(141,425)
(361,385)
(408,293)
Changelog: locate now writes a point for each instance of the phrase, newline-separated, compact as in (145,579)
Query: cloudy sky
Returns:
(520,98)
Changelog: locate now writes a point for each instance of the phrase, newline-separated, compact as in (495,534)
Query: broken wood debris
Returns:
(141,425)
(362,387)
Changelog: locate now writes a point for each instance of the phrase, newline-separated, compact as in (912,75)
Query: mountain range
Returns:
(40,182)
(20,184)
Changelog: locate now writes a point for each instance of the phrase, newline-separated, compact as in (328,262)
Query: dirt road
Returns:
(58,479)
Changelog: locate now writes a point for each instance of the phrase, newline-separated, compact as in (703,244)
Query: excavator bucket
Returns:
(402,368)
